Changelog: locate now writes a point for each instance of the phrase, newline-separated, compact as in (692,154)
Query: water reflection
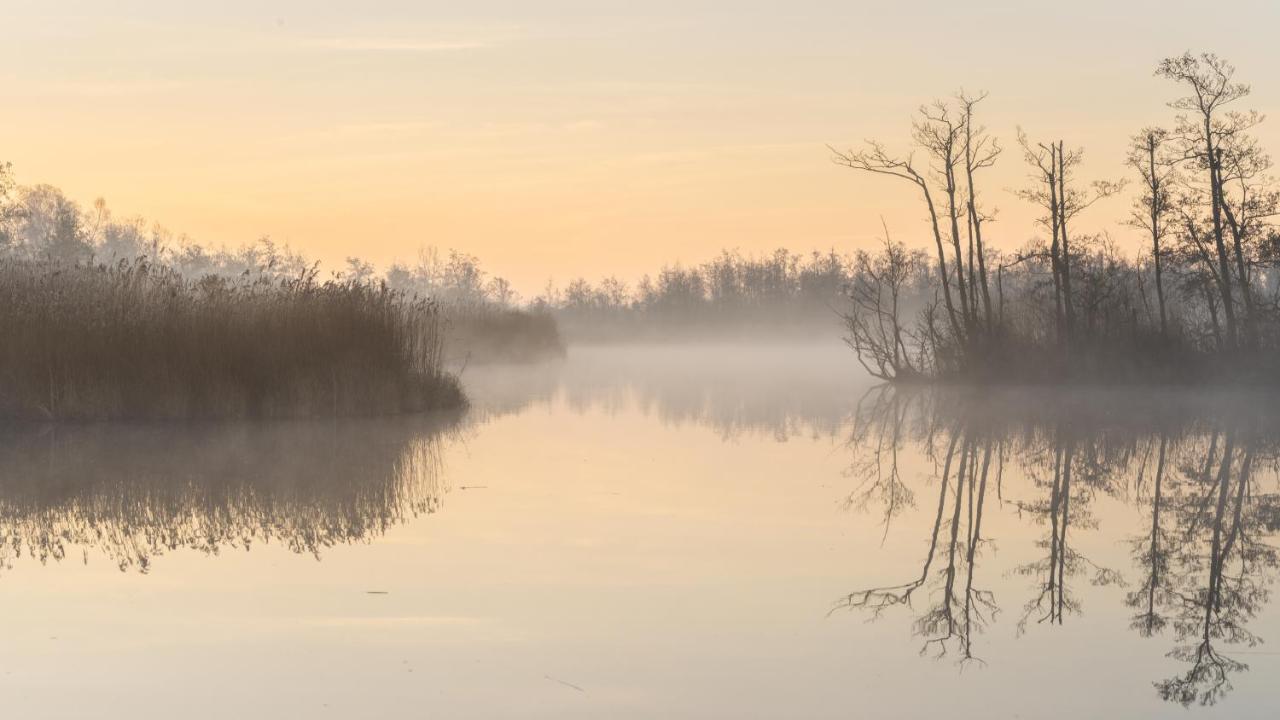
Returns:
(956,607)
(782,392)
(1021,531)
(1201,467)
(135,492)
(1163,501)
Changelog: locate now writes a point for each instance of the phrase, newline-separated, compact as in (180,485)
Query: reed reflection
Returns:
(135,492)
(1198,471)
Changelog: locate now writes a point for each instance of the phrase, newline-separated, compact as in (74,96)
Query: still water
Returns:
(659,533)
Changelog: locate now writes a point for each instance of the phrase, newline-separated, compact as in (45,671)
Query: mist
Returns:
(818,361)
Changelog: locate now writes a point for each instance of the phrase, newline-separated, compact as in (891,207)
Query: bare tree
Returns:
(1249,200)
(1202,130)
(1063,201)
(1153,209)
(941,134)
(874,320)
(980,152)
(875,159)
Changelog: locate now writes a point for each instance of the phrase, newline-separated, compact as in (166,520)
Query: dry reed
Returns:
(136,340)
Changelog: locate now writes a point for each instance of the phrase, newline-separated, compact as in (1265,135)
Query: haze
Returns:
(558,139)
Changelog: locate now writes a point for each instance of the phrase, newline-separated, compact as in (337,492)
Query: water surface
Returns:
(664,532)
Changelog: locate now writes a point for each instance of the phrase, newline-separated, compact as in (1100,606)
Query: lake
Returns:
(721,532)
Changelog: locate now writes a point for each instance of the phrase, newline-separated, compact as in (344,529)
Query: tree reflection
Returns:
(1190,465)
(880,435)
(1067,506)
(1151,553)
(736,391)
(134,492)
(1223,572)
(957,608)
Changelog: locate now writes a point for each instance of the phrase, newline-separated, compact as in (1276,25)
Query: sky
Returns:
(562,138)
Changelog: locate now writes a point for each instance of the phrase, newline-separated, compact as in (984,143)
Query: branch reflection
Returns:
(1199,470)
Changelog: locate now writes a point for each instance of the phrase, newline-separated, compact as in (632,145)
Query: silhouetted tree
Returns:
(878,296)
(1202,132)
(1148,156)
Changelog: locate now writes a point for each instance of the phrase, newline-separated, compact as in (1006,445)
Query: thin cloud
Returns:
(583,125)
(114,88)
(373,44)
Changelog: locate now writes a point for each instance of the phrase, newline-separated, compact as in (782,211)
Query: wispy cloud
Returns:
(383,129)
(583,125)
(115,88)
(358,131)
(395,621)
(398,45)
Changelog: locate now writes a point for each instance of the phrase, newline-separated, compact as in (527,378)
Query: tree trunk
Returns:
(962,286)
(1155,234)
(1068,310)
(942,263)
(1224,266)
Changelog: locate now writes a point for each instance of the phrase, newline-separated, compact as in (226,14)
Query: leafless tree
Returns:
(874,322)
(980,152)
(1055,192)
(875,159)
(1202,131)
(941,134)
(957,148)
(1153,209)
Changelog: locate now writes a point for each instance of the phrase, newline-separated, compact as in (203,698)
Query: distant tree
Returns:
(358,271)
(11,211)
(52,227)
(499,290)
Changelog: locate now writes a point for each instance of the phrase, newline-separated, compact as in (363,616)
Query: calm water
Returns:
(661,533)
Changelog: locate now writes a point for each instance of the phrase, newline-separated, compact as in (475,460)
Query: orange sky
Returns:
(561,138)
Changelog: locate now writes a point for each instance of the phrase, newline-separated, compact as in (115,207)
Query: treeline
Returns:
(779,295)
(1201,301)
(481,318)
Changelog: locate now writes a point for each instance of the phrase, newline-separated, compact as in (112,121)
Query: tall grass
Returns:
(136,340)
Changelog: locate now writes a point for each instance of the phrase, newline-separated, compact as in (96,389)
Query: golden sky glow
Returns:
(561,138)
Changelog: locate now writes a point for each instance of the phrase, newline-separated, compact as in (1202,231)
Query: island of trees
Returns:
(1201,303)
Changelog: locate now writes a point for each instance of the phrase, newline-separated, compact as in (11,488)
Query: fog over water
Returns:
(661,531)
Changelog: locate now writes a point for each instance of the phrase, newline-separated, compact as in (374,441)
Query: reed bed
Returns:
(137,340)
